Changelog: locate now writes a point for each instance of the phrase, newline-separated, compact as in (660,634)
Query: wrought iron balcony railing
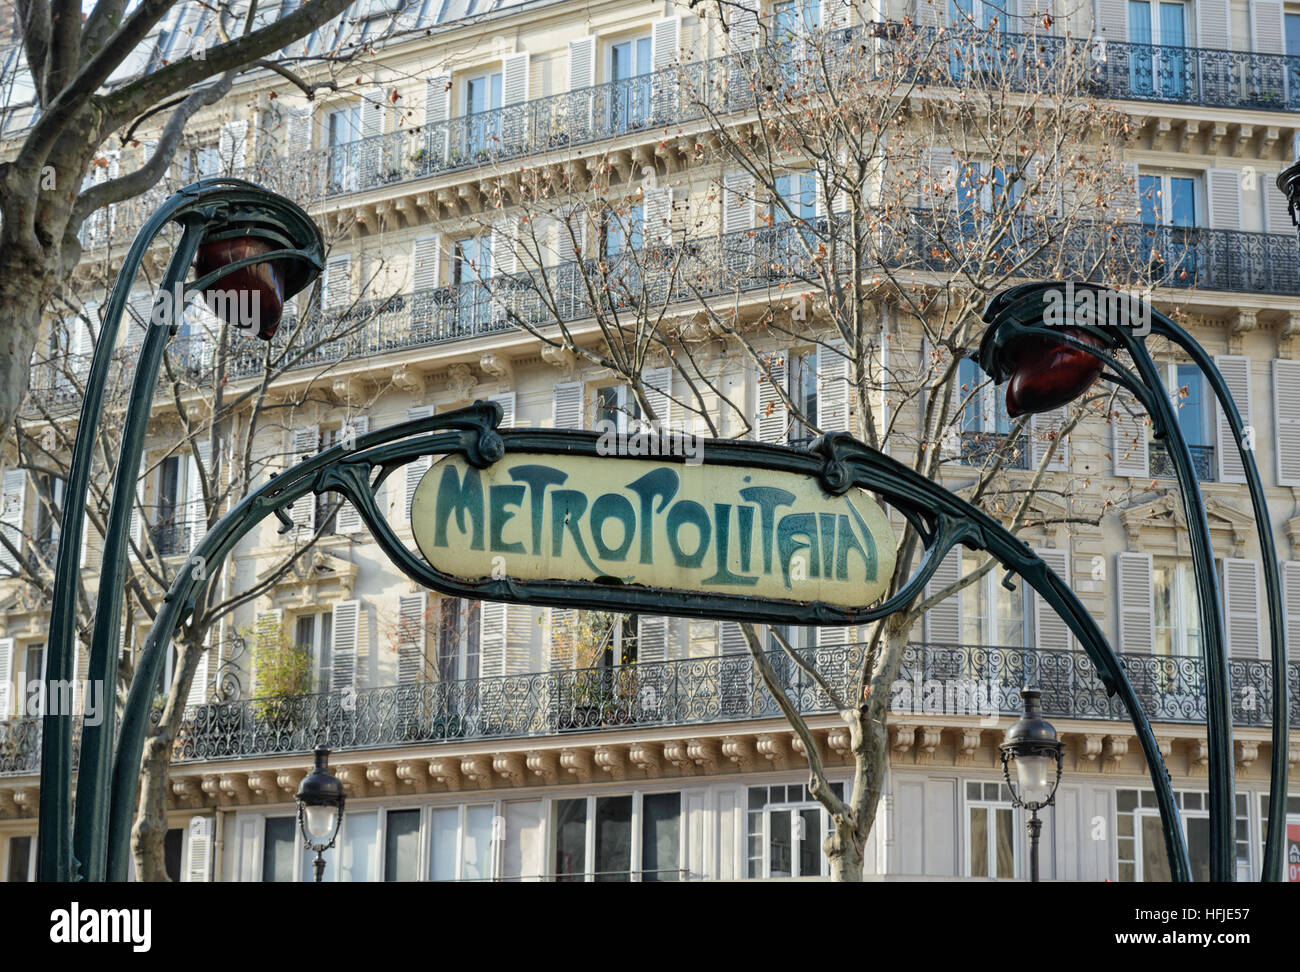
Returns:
(1202,462)
(933,680)
(977,448)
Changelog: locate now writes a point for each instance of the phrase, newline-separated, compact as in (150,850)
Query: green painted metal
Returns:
(838,461)
(1018,313)
(75,848)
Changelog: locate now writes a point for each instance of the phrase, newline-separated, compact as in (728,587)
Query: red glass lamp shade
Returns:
(1047,373)
(263,283)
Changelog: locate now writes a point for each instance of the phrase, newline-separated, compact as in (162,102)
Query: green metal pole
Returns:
(90,822)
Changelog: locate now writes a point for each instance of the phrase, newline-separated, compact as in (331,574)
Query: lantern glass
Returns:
(320,822)
(1036,775)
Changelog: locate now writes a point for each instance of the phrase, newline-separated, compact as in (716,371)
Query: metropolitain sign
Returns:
(706,529)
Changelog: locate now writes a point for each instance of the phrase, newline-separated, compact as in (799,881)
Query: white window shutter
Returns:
(198,857)
(1241,607)
(651,639)
(737,202)
(773,419)
(249,831)
(6,678)
(140,304)
(232,146)
(1223,193)
(414,472)
(507,402)
(336,282)
(1042,427)
(1212,24)
(197,465)
(1128,446)
(437,112)
(742,24)
(86,527)
(1286,420)
(930,13)
(13,499)
(582,63)
(1277,213)
(942,623)
(1112,19)
(830,636)
(1290,598)
(416,412)
(519,638)
(306,442)
(1236,375)
(940,178)
(567,406)
(1134,585)
(492,638)
(426,263)
(658,216)
(268,629)
(836,14)
(299,129)
(564,654)
(514,78)
(505,256)
(833,388)
(1266,25)
(658,384)
(1051,633)
(412,634)
(349,520)
(731,639)
(1135,188)
(571,236)
(198,693)
(665,42)
(344,647)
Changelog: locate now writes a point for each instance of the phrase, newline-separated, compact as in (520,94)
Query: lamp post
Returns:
(1032,745)
(1051,341)
(260,245)
(320,810)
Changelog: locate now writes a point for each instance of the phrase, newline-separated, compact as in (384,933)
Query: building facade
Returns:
(481,741)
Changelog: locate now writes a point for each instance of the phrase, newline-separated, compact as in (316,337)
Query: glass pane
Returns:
(523,851)
(614,838)
(172,853)
(810,847)
(570,838)
(476,853)
(778,844)
(360,837)
(402,846)
(1006,843)
(979,842)
(660,836)
(1198,847)
(20,857)
(1182,205)
(280,839)
(1173,32)
(1155,865)
(445,828)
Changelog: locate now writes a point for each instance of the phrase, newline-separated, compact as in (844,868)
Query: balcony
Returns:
(978,448)
(935,680)
(1202,462)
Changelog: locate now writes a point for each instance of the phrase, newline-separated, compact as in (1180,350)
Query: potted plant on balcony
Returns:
(283,675)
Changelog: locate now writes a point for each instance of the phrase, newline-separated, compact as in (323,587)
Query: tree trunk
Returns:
(148,834)
(843,850)
(24,288)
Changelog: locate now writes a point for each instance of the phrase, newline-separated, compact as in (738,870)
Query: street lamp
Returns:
(1032,744)
(1051,341)
(246,238)
(320,810)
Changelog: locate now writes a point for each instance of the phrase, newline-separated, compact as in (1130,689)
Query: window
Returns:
(1194,402)
(1140,844)
(458,639)
(629,70)
(785,828)
(343,128)
(47,524)
(983,424)
(593,838)
(471,266)
(1168,206)
(402,845)
(22,859)
(461,843)
(1159,64)
(279,848)
(1291,846)
(169,523)
(482,117)
(803,394)
(621,230)
(617,406)
(33,666)
(991,846)
(358,847)
(314,633)
(979,51)
(991,614)
(1177,621)
(327,504)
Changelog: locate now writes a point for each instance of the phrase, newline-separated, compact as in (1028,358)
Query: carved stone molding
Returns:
(265,784)
(968,745)
(211,785)
(446,770)
(703,753)
(497,365)
(288,780)
(544,765)
(927,742)
(27,798)
(647,757)
(477,770)
(840,742)
(1246,751)
(461,381)
(739,751)
(1198,758)
(410,379)
(413,773)
(902,739)
(675,753)
(510,767)
(235,787)
(611,760)
(773,747)
(353,778)
(1116,750)
(561,358)
(8,806)
(187,791)
(576,762)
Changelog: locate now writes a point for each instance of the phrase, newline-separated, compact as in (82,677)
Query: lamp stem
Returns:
(318,865)
(1035,829)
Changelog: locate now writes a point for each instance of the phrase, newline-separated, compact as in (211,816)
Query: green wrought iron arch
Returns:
(839,462)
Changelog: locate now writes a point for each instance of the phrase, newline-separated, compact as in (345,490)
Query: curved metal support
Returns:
(840,461)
